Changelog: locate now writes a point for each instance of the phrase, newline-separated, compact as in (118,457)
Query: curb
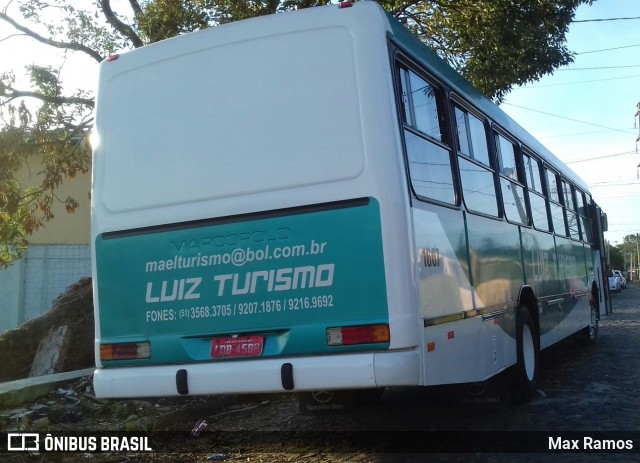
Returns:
(14,393)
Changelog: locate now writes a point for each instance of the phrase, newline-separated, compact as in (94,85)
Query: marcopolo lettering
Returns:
(232,239)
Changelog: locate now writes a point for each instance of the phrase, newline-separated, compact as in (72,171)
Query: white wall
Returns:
(29,287)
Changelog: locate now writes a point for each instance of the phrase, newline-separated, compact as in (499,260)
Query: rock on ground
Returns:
(73,309)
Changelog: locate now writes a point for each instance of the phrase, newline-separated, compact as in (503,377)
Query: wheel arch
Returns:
(595,297)
(527,298)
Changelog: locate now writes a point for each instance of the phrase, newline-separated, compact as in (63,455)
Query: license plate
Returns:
(240,346)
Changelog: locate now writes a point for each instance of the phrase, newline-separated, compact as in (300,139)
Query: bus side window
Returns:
(511,181)
(570,208)
(429,158)
(583,213)
(537,200)
(557,211)
(476,173)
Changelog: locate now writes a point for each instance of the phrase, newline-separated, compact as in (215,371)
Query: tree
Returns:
(630,250)
(616,259)
(494,43)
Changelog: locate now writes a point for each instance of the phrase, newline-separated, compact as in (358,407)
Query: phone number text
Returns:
(242,308)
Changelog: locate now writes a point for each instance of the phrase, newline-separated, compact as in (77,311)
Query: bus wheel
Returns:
(525,373)
(589,334)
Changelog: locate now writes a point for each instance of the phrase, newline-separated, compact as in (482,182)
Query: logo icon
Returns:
(23,441)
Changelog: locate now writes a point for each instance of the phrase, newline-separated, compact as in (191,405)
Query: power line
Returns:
(607,49)
(619,195)
(600,157)
(568,118)
(580,82)
(598,185)
(604,19)
(600,67)
(574,134)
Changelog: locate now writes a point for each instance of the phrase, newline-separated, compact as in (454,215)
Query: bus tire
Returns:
(525,372)
(589,334)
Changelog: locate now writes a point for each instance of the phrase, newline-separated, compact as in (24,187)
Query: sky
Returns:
(584,112)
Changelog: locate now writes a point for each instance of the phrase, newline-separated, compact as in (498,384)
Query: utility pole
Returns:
(638,140)
(638,254)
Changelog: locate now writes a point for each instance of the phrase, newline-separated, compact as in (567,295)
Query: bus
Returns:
(314,201)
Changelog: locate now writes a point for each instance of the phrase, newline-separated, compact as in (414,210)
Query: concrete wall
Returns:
(29,287)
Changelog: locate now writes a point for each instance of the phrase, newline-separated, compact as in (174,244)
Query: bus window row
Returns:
(457,156)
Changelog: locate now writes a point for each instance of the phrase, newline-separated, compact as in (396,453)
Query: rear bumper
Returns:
(351,371)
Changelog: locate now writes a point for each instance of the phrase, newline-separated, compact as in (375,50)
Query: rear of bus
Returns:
(250,217)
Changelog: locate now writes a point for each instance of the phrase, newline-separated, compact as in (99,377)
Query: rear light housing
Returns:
(362,334)
(125,351)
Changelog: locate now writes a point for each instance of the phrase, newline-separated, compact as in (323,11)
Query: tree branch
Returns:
(65,45)
(135,6)
(12,94)
(118,25)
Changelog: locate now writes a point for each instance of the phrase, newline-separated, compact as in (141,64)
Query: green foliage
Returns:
(495,43)
(616,259)
(54,134)
(162,19)
(629,251)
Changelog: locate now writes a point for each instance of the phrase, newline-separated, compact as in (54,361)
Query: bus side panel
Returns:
(541,273)
(572,267)
(442,260)
(287,278)
(463,351)
(457,349)
(557,269)
(496,265)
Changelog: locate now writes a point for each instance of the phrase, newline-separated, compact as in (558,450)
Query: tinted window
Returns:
(479,140)
(532,173)
(539,211)
(430,169)
(557,217)
(583,217)
(428,158)
(552,183)
(515,207)
(508,165)
(587,235)
(568,196)
(461,129)
(472,136)
(424,105)
(406,103)
(572,222)
(582,204)
(478,188)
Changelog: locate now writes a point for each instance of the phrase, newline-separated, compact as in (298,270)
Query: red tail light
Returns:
(363,334)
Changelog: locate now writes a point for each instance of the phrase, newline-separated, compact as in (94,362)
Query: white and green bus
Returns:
(315,201)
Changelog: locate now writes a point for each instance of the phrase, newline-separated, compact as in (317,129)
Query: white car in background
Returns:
(615,284)
(623,280)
